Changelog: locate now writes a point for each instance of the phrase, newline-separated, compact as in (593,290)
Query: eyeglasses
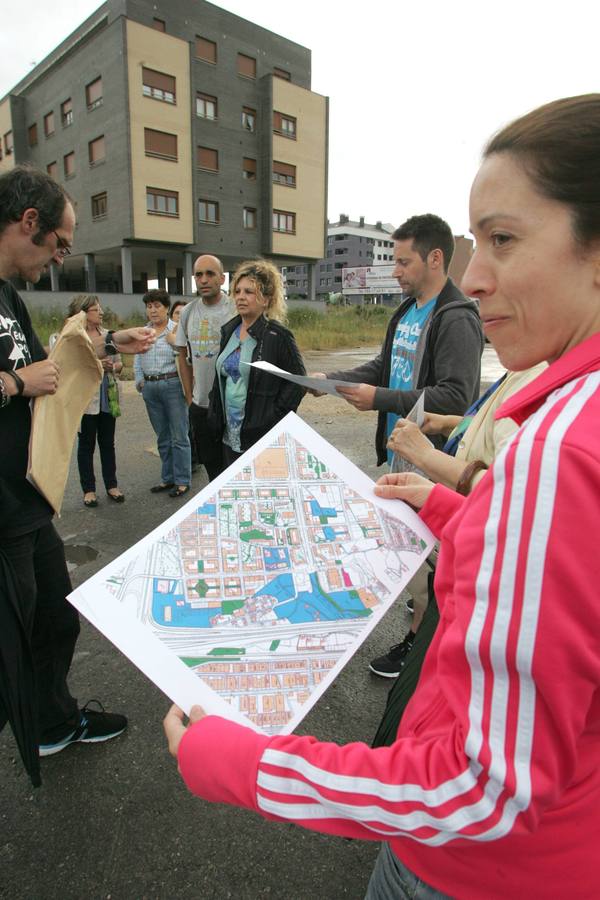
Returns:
(62,248)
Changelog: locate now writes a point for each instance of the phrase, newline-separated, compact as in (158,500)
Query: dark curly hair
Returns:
(27,188)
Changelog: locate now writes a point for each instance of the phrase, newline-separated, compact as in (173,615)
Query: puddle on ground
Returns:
(78,554)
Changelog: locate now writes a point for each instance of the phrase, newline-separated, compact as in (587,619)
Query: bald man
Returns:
(197,338)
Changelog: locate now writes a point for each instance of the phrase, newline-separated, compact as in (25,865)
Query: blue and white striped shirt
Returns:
(160,358)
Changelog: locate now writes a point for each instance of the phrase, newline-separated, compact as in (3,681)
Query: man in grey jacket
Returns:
(433,343)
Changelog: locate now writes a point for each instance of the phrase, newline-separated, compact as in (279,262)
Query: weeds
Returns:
(335,328)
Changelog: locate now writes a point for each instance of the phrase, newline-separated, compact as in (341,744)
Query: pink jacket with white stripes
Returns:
(492,788)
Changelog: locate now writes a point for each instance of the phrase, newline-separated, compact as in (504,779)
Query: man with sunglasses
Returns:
(198,338)
(37,223)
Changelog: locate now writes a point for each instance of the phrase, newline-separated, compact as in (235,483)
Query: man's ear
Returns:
(436,258)
(30,221)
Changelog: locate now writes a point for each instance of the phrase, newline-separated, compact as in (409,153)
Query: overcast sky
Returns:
(415,88)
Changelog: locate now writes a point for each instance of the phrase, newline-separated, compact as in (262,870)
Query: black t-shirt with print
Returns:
(22,508)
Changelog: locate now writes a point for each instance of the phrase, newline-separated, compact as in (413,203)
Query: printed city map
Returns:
(266,583)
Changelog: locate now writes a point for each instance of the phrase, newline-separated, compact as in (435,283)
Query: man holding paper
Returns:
(430,362)
(433,344)
(37,224)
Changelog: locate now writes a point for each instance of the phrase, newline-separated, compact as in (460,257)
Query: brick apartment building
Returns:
(177,128)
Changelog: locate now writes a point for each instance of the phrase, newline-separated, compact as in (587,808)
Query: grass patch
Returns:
(341,327)
(332,329)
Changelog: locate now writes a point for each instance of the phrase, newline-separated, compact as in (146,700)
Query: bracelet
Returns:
(109,344)
(4,395)
(18,381)
(465,482)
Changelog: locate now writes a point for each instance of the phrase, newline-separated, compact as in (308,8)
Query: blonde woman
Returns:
(245,402)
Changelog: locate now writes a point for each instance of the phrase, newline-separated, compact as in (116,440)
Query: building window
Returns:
(160,144)
(162,203)
(159,25)
(49,124)
(249,217)
(99,205)
(93,94)
(284,173)
(281,73)
(206,50)
(246,66)
(8,143)
(158,85)
(66,113)
(208,159)
(52,170)
(32,138)
(206,106)
(97,150)
(249,168)
(208,212)
(284,125)
(284,221)
(248,118)
(69,164)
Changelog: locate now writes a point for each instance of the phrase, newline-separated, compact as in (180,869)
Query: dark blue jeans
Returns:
(168,414)
(391,880)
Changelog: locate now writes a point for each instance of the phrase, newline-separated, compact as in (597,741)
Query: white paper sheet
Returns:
(416,415)
(251,598)
(324,385)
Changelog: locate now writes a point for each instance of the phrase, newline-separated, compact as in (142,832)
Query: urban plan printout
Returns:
(266,582)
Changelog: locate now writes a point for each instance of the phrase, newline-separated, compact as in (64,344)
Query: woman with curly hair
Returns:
(246,402)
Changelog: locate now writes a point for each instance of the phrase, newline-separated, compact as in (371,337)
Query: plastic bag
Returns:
(113,397)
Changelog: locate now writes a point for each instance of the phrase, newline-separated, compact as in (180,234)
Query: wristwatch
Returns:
(109,344)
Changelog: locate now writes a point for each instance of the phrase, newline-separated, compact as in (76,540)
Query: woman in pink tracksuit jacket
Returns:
(492,788)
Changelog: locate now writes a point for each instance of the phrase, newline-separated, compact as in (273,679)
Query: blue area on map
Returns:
(329,533)
(181,616)
(207,509)
(282,588)
(274,556)
(318,510)
(313,605)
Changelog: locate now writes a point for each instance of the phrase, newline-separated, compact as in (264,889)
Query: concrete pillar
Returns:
(311,291)
(161,273)
(188,277)
(54,278)
(89,265)
(126,270)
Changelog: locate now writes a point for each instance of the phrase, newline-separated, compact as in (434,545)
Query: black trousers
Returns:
(209,452)
(229,455)
(101,426)
(38,560)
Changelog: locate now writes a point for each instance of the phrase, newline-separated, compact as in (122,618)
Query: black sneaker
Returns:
(410,605)
(94,726)
(390,665)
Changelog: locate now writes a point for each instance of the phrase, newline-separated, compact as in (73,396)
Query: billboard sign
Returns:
(369,280)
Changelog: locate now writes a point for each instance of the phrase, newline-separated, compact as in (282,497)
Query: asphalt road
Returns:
(114,820)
